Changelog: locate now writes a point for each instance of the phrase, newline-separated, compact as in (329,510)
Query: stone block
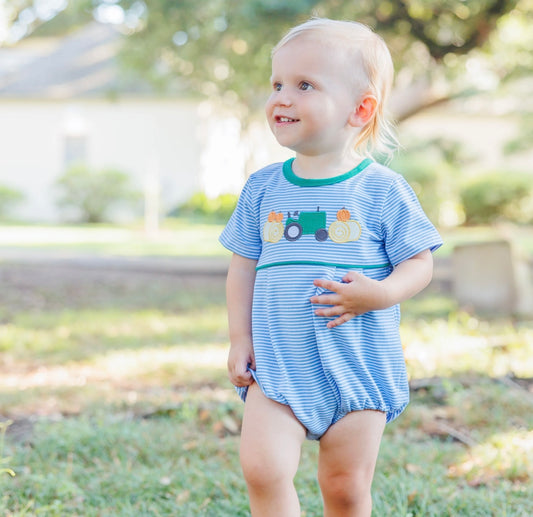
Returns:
(490,277)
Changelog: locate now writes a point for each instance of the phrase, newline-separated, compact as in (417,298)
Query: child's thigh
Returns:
(271,435)
(350,447)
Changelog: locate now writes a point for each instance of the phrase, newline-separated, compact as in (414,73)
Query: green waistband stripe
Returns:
(317,263)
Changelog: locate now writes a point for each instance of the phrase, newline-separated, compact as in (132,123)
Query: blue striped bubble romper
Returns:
(366,220)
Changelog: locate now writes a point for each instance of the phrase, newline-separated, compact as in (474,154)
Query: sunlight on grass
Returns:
(121,406)
(89,357)
(185,237)
(75,335)
(57,235)
(161,365)
(149,366)
(4,468)
(506,455)
(177,238)
(464,343)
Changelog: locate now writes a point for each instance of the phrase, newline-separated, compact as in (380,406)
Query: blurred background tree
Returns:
(221,48)
(91,196)
(9,199)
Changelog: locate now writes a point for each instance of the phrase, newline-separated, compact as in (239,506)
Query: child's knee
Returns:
(263,471)
(346,489)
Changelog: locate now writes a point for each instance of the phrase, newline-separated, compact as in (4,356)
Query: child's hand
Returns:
(355,295)
(239,359)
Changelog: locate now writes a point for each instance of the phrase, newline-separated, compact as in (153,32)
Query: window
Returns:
(75,150)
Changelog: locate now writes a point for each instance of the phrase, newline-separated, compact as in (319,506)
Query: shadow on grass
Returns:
(42,288)
(118,389)
(52,316)
(184,455)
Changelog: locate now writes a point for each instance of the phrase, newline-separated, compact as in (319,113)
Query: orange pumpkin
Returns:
(272,217)
(343,215)
(278,217)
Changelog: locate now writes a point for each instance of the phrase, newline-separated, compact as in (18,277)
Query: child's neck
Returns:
(324,166)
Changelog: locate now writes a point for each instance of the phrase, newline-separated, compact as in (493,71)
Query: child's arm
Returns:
(357,294)
(239,295)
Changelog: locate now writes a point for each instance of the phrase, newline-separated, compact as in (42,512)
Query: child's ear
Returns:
(364,111)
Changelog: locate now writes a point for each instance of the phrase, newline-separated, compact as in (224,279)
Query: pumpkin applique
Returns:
(344,229)
(273,229)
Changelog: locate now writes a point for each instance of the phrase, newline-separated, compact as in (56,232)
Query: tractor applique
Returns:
(299,223)
(306,223)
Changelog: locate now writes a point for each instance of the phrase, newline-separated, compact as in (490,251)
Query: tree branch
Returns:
(482,26)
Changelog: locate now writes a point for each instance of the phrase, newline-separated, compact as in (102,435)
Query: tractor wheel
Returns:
(293,231)
(321,234)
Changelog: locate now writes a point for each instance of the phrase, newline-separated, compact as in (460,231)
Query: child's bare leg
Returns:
(348,455)
(271,441)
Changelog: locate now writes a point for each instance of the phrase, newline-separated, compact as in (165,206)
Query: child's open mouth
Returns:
(282,120)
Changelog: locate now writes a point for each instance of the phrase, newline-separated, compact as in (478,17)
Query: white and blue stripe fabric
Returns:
(367,220)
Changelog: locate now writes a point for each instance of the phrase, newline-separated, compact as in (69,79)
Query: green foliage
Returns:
(77,14)
(221,48)
(498,196)
(3,461)
(523,141)
(93,195)
(201,206)
(430,167)
(9,198)
(425,178)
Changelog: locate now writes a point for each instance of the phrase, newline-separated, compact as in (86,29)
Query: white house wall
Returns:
(156,142)
(173,148)
(30,153)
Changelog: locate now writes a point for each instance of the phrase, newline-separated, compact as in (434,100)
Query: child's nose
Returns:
(284,98)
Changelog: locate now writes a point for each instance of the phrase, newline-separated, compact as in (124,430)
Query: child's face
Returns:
(312,100)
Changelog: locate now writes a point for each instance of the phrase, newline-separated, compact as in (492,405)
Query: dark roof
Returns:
(81,64)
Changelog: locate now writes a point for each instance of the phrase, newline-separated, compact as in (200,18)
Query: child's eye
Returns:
(276,87)
(304,85)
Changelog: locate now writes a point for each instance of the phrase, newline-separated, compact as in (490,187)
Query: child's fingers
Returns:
(335,310)
(239,374)
(325,299)
(347,316)
(241,379)
(351,276)
(328,285)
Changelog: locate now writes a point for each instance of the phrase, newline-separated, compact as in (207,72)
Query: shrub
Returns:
(498,196)
(219,208)
(9,198)
(92,195)
(432,181)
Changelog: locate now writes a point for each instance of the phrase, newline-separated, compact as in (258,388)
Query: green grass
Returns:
(179,237)
(176,237)
(117,389)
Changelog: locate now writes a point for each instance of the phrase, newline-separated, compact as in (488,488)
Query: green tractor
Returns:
(306,223)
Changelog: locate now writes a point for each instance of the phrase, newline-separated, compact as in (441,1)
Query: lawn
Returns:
(114,402)
(175,237)
(188,237)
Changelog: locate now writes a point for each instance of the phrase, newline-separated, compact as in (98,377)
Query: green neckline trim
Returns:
(315,182)
(318,263)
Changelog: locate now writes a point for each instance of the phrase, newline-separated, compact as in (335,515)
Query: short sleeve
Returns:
(406,229)
(242,235)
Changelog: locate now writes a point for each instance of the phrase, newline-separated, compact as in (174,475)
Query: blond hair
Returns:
(373,74)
